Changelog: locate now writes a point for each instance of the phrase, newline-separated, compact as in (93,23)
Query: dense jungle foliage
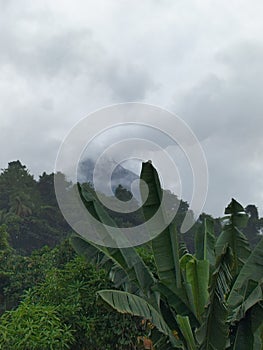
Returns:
(53,298)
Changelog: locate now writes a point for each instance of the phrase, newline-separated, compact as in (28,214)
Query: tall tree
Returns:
(46,189)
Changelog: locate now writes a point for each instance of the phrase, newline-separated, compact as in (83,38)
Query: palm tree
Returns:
(18,206)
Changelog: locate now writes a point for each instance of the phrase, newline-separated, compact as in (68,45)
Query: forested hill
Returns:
(29,209)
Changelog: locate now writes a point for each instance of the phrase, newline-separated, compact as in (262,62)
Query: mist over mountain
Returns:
(119,176)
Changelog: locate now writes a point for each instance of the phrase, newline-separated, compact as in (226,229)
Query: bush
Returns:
(34,327)
(20,273)
(72,291)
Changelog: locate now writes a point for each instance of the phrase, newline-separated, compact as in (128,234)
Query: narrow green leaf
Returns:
(185,328)
(205,242)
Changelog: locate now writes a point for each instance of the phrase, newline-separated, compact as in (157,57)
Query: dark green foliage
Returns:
(4,240)
(5,274)
(16,184)
(45,186)
(254,225)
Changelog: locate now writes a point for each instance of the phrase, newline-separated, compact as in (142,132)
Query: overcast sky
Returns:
(203,60)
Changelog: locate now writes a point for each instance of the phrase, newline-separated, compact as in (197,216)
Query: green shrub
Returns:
(72,291)
(34,327)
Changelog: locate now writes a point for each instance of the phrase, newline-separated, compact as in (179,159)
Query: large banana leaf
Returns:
(165,245)
(233,237)
(125,258)
(128,303)
(239,299)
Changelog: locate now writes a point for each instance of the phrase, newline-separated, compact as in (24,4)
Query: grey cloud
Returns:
(44,50)
(230,104)
(226,113)
(129,82)
(49,53)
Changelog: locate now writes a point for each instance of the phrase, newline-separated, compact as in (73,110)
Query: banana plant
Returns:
(208,300)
